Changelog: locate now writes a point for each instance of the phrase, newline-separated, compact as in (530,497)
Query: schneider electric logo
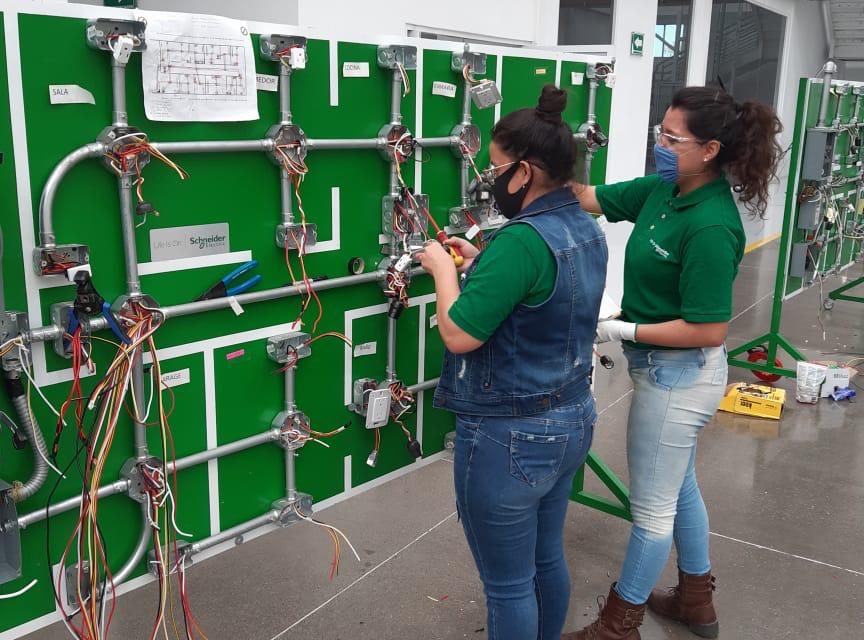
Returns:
(209,242)
(189,242)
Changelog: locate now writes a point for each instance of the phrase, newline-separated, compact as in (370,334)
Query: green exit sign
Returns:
(120,3)
(637,43)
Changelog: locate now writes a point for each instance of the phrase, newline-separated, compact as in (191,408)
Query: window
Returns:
(585,22)
(671,47)
(745,48)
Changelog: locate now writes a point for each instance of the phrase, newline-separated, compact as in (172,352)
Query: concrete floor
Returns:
(786,501)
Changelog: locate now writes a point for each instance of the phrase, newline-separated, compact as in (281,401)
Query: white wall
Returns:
(804,54)
(281,11)
(631,103)
(506,20)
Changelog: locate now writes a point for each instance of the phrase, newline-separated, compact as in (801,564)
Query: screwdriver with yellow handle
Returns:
(441,236)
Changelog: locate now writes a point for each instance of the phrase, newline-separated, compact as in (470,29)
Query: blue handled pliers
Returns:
(225,286)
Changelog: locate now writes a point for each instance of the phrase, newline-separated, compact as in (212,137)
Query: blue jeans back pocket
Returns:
(670,376)
(534,459)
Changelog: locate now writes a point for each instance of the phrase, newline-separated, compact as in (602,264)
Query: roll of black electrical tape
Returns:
(356,266)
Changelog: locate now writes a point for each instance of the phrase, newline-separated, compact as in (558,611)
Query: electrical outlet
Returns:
(378,413)
(297,59)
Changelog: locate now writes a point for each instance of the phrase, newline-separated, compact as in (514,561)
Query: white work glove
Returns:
(615,330)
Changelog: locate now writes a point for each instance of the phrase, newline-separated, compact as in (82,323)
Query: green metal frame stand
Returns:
(772,341)
(619,508)
(840,293)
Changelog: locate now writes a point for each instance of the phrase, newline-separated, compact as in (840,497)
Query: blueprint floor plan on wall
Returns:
(198,68)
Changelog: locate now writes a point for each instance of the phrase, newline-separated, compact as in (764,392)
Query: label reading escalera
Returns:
(189,242)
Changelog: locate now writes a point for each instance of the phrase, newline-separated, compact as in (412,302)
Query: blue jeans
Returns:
(675,394)
(513,481)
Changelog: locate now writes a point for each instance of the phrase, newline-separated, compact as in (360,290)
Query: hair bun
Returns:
(552,103)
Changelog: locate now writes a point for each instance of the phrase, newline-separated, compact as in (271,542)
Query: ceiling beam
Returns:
(849,52)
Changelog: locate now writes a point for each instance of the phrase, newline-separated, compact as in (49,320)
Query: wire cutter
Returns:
(225,286)
(88,303)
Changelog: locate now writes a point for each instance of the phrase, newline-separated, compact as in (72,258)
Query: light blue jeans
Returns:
(513,481)
(675,394)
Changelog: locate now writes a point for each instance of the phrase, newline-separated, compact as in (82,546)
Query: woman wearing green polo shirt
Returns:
(680,264)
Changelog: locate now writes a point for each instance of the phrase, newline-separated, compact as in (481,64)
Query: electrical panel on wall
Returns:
(219,269)
(827,189)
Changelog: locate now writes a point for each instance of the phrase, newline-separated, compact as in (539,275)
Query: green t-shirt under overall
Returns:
(517,268)
(683,255)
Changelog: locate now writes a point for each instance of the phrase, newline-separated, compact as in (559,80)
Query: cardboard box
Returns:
(754,400)
(836,377)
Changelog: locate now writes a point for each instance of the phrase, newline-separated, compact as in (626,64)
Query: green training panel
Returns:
(232,389)
(823,221)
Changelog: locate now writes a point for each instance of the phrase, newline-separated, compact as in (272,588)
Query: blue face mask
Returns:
(666,161)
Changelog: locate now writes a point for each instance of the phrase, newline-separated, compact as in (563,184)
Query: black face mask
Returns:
(509,204)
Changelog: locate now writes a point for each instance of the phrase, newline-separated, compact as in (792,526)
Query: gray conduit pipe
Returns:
(234,532)
(18,397)
(46,204)
(140,549)
(53,332)
(121,486)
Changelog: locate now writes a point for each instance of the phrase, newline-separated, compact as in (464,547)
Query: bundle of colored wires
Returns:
(335,535)
(76,396)
(56,265)
(129,157)
(406,81)
(396,285)
(402,403)
(469,77)
(96,589)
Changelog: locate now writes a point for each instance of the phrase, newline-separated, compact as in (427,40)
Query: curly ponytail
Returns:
(749,151)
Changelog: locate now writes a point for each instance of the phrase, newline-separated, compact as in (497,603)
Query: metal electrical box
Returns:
(10,540)
(810,214)
(818,155)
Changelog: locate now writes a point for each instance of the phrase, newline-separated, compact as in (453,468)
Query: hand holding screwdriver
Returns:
(466,250)
(455,253)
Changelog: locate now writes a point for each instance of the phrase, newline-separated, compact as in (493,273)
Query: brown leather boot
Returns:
(619,620)
(691,602)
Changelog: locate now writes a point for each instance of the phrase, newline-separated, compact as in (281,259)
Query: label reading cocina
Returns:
(189,242)
(355,69)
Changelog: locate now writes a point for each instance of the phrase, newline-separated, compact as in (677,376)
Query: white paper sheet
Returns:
(198,68)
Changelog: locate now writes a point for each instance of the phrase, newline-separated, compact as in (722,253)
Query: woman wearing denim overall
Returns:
(680,263)
(519,338)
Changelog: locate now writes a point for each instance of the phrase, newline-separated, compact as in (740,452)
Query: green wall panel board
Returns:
(12,264)
(523,80)
(440,114)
